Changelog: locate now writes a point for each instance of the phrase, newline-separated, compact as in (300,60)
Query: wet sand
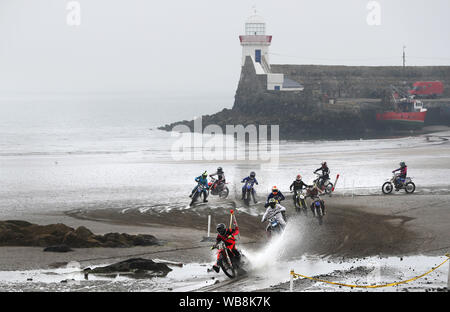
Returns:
(397,224)
(360,226)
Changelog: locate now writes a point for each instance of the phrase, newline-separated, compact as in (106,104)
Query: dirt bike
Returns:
(323,184)
(198,193)
(300,202)
(228,262)
(220,189)
(318,209)
(274,227)
(248,193)
(408,185)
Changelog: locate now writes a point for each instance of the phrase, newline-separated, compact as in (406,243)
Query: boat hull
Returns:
(405,119)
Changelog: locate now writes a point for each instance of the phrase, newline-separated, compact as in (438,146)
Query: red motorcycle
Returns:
(228,262)
(217,187)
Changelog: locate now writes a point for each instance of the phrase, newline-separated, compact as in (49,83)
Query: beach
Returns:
(135,185)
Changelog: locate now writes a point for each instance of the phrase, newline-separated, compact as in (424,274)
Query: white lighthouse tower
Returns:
(255,43)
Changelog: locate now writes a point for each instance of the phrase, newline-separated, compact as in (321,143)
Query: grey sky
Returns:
(192,47)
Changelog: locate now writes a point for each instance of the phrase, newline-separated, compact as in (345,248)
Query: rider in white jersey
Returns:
(276,211)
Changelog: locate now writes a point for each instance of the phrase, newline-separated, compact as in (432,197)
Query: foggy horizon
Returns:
(192,48)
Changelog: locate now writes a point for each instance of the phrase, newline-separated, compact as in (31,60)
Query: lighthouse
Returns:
(255,43)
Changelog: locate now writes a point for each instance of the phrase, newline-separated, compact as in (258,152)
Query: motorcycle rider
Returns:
(220,177)
(228,237)
(319,203)
(313,191)
(276,194)
(325,175)
(401,176)
(298,185)
(203,180)
(275,210)
(251,179)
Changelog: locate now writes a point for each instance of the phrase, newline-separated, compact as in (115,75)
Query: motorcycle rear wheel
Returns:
(224,193)
(387,188)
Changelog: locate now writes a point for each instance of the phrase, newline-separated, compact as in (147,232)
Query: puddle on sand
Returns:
(365,271)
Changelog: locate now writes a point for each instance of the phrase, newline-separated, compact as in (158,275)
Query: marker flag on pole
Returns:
(231,218)
(335,182)
(235,222)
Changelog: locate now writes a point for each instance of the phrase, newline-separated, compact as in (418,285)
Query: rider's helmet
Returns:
(324,164)
(272,202)
(220,170)
(299,177)
(274,190)
(317,203)
(252,174)
(402,164)
(221,229)
(204,175)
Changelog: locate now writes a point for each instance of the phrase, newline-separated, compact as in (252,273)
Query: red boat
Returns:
(413,119)
(408,112)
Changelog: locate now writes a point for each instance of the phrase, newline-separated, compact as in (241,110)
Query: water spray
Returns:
(275,249)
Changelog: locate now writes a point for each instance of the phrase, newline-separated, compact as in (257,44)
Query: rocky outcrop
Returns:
(58,248)
(60,236)
(139,267)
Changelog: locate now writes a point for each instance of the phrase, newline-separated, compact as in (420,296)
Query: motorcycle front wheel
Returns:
(387,188)
(297,203)
(329,188)
(304,207)
(247,198)
(194,198)
(319,215)
(276,230)
(410,187)
(226,268)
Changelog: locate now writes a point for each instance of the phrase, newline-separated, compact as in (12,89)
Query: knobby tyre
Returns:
(387,188)
(229,271)
(410,187)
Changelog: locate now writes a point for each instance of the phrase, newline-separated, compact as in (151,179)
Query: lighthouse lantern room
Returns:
(255,43)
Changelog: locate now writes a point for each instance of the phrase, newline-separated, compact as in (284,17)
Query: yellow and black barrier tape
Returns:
(296,275)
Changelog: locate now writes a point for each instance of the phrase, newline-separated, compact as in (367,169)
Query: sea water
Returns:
(62,155)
